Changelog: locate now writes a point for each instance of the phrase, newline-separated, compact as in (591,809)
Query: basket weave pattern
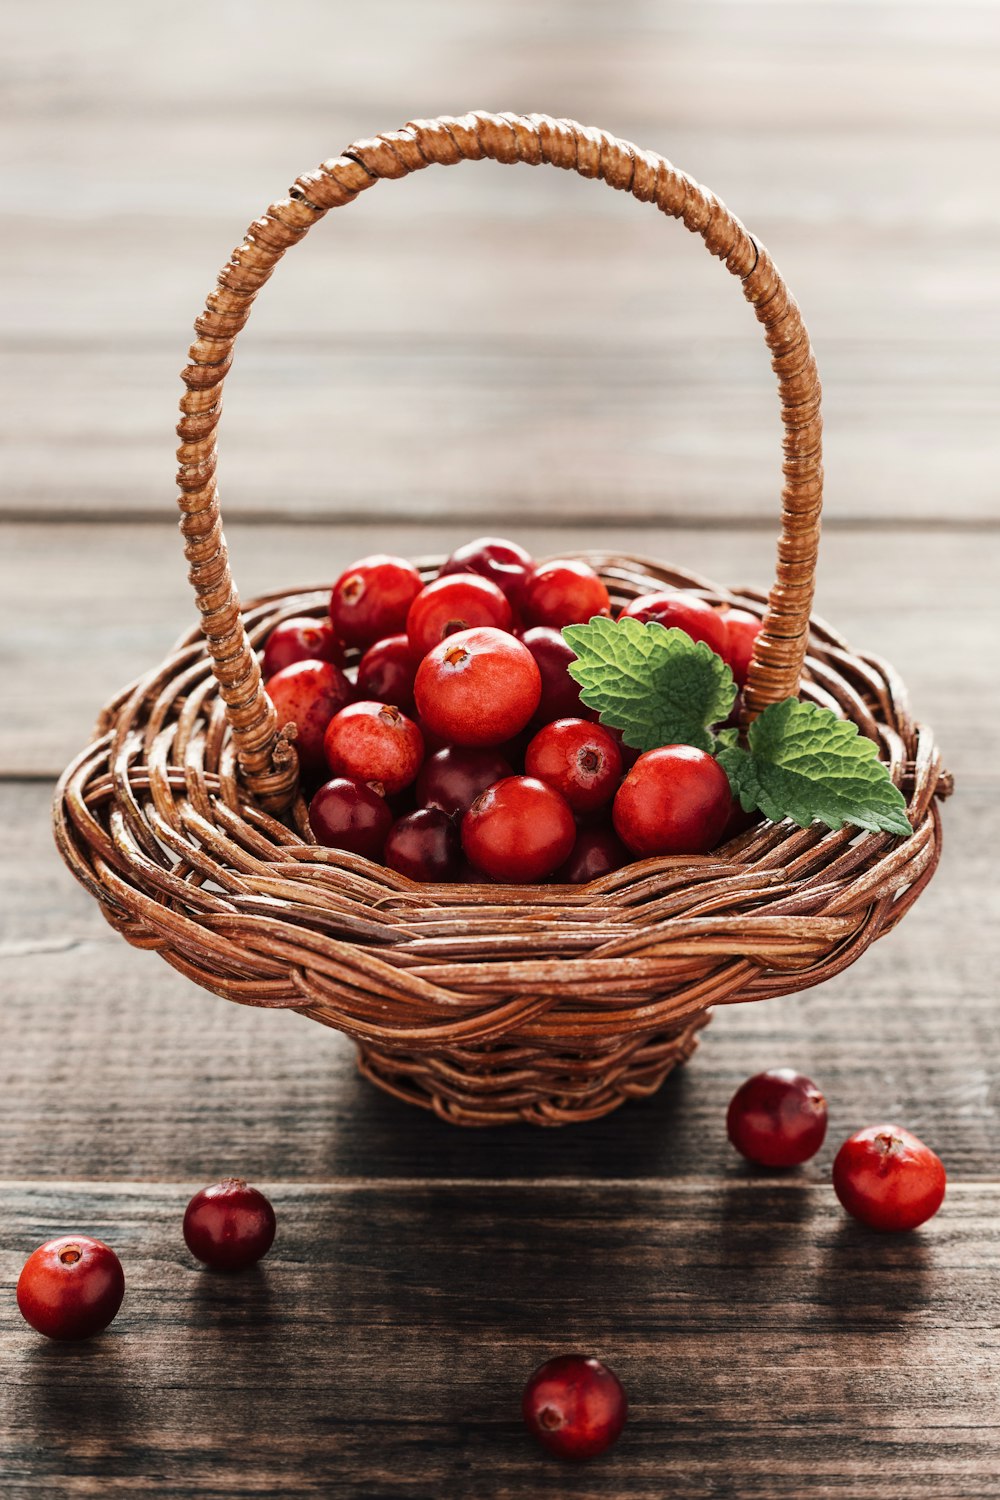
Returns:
(489,1004)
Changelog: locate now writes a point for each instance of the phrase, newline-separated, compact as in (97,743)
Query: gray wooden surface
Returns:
(560,363)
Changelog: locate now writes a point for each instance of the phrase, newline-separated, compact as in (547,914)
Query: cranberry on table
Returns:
(479,687)
(597,852)
(502,562)
(580,759)
(424,845)
(308,694)
(229,1226)
(374,742)
(553,655)
(300,639)
(886,1177)
(777,1118)
(386,672)
(452,778)
(71,1287)
(519,830)
(681,611)
(455,603)
(564,593)
(742,630)
(575,1406)
(675,800)
(371,599)
(349,814)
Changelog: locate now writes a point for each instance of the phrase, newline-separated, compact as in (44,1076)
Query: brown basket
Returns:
(488,1004)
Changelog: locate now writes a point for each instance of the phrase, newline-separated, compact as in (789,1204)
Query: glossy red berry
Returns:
(681,611)
(673,801)
(308,694)
(71,1287)
(580,759)
(229,1226)
(597,852)
(560,694)
(371,599)
(371,741)
(451,779)
(479,687)
(742,630)
(777,1118)
(889,1179)
(448,605)
(386,672)
(564,593)
(519,830)
(300,639)
(424,845)
(351,815)
(503,563)
(575,1406)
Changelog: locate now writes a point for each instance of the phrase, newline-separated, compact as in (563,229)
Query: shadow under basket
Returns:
(489,1004)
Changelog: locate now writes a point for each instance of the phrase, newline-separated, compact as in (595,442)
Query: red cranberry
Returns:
(374,742)
(519,830)
(451,604)
(371,599)
(682,612)
(300,639)
(560,694)
(579,759)
(479,687)
(451,779)
(386,672)
(888,1178)
(575,1406)
(308,694)
(564,593)
(777,1118)
(347,814)
(597,852)
(424,845)
(229,1226)
(503,563)
(742,630)
(673,801)
(71,1287)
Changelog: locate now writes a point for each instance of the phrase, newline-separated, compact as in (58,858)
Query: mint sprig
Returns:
(658,686)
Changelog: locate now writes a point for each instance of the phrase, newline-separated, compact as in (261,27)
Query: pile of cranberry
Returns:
(459,748)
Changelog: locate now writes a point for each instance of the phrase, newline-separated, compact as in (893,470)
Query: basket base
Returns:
(525,1085)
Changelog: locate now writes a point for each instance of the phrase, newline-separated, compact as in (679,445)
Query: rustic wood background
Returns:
(555,360)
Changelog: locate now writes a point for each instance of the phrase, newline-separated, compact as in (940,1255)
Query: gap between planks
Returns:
(470,1184)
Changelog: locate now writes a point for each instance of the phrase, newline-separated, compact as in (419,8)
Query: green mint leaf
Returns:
(806,764)
(658,686)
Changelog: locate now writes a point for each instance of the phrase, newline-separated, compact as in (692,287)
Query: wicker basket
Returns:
(488,1004)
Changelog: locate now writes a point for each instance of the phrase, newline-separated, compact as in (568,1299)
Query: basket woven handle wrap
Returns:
(267,762)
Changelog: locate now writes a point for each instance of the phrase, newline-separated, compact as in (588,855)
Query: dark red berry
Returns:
(580,759)
(673,801)
(575,1406)
(888,1178)
(564,593)
(742,630)
(448,605)
(424,845)
(348,814)
(681,611)
(386,672)
(371,599)
(300,639)
(560,694)
(519,830)
(374,742)
(503,563)
(777,1118)
(479,687)
(229,1226)
(597,852)
(451,779)
(308,694)
(71,1287)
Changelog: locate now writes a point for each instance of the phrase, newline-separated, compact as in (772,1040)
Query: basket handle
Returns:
(267,761)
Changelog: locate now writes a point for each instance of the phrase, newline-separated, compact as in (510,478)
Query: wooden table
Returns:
(566,366)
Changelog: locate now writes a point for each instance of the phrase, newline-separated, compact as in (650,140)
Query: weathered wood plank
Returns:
(381,1347)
